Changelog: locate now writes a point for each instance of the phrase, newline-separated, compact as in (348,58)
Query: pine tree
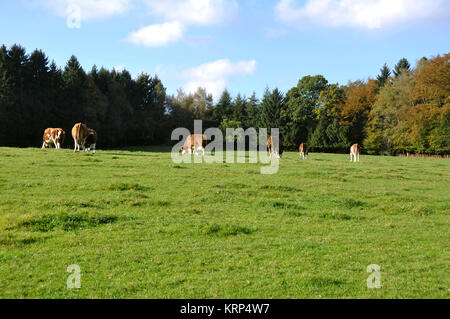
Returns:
(95,109)
(74,86)
(253,112)
(17,99)
(271,108)
(401,66)
(239,109)
(384,76)
(223,108)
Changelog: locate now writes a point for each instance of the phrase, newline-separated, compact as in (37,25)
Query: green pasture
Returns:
(141,226)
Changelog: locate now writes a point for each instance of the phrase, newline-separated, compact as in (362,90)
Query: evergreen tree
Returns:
(401,66)
(253,112)
(239,109)
(74,79)
(36,98)
(223,108)
(5,91)
(94,111)
(16,99)
(384,76)
(271,107)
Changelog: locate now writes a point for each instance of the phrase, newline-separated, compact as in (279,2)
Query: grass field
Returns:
(140,226)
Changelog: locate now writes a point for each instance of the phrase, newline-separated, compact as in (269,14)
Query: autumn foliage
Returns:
(412,113)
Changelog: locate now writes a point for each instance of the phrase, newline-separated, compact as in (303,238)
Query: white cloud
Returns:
(214,76)
(196,12)
(81,10)
(182,13)
(174,16)
(369,14)
(157,35)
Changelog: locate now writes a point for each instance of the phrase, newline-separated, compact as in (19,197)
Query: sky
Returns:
(242,45)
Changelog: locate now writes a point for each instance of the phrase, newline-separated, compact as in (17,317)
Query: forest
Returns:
(402,110)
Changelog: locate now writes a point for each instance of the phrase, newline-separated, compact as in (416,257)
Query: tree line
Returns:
(403,110)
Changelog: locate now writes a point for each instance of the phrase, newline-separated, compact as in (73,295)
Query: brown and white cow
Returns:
(53,137)
(91,141)
(303,151)
(79,133)
(275,148)
(194,143)
(355,150)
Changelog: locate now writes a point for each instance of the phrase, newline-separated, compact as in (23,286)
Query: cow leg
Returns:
(351,157)
(54,142)
(84,144)
(358,157)
(75,148)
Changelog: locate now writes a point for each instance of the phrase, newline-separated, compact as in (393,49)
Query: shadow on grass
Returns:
(66,222)
(224,230)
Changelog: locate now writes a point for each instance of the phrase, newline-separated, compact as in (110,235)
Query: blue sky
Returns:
(240,45)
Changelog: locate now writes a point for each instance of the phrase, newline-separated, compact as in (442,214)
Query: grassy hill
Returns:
(140,226)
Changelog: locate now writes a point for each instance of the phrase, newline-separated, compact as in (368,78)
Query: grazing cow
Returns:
(47,138)
(303,151)
(194,143)
(274,148)
(53,136)
(355,150)
(91,141)
(79,134)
